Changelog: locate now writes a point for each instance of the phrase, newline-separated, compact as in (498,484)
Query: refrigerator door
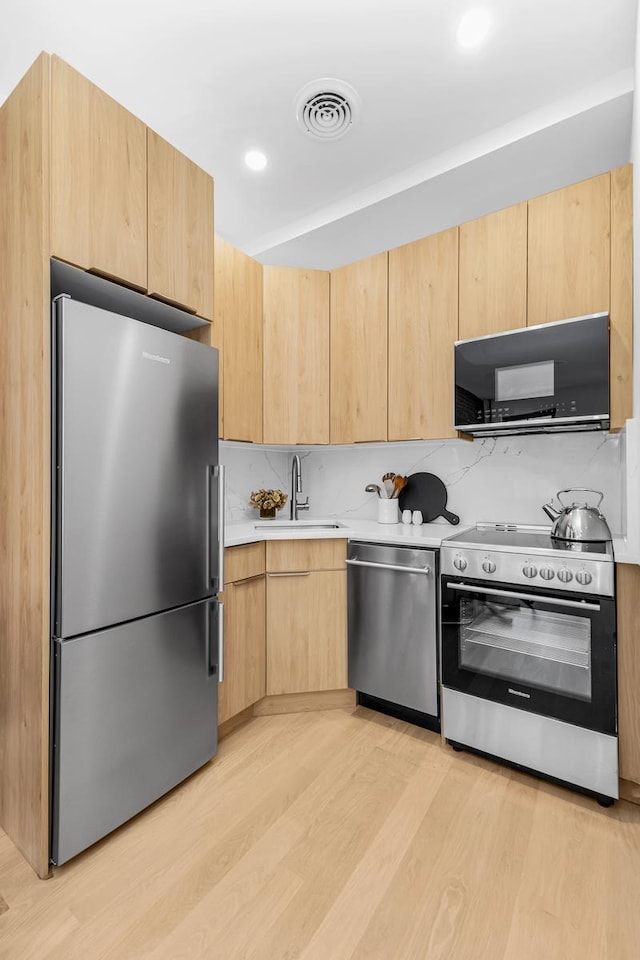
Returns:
(136,712)
(136,451)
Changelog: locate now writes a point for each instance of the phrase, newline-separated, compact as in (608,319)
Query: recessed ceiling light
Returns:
(473,28)
(255,159)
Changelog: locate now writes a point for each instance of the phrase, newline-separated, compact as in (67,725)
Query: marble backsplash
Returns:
(506,479)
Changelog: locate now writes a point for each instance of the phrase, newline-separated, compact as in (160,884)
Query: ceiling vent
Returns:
(327,109)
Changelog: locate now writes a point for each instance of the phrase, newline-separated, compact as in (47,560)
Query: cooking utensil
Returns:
(399,483)
(578,521)
(427,493)
(387,483)
(373,488)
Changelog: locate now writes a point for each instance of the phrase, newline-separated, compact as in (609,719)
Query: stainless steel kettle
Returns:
(579,521)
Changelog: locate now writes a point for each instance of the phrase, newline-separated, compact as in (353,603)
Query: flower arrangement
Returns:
(268,501)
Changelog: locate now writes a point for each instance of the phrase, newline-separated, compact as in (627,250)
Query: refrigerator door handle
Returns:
(210,667)
(217,472)
(220,641)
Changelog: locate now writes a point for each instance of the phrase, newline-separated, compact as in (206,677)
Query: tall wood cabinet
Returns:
(359,351)
(423,325)
(296,355)
(621,302)
(493,273)
(238,306)
(306,616)
(628,589)
(74,176)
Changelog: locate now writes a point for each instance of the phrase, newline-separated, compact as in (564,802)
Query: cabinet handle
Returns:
(241,583)
(294,573)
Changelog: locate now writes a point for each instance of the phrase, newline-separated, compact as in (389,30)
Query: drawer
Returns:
(284,555)
(243,562)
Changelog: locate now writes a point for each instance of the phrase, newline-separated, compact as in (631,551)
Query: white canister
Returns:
(416,517)
(388,511)
(406,516)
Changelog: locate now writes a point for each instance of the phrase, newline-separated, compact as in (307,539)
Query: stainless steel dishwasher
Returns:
(393,648)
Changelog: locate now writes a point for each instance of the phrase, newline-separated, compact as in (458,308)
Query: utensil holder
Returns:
(388,511)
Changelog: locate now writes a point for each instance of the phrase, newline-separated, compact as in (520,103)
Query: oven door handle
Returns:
(580,604)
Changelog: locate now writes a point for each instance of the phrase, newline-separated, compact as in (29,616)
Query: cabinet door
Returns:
(98,180)
(296,355)
(180,199)
(493,273)
(238,299)
(423,325)
(306,631)
(569,252)
(628,588)
(244,646)
(621,312)
(359,351)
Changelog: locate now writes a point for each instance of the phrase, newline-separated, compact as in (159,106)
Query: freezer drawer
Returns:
(136,445)
(393,624)
(135,713)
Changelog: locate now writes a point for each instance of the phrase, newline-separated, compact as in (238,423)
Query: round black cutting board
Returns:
(427,493)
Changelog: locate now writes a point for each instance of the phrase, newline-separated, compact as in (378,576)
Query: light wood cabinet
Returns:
(628,590)
(296,355)
(306,616)
(423,325)
(238,299)
(493,273)
(359,351)
(621,306)
(180,222)
(98,180)
(569,252)
(245,605)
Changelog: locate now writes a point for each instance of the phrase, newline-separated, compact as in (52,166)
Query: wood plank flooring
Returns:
(341,835)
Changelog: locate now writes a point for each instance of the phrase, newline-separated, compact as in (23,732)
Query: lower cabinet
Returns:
(244,641)
(628,589)
(306,616)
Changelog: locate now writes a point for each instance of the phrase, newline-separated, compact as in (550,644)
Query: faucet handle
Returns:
(305,505)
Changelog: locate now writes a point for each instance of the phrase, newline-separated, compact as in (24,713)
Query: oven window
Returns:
(522,643)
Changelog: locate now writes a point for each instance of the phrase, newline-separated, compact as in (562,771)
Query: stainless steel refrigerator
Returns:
(137,640)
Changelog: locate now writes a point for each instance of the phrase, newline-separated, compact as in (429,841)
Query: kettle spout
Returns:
(551,511)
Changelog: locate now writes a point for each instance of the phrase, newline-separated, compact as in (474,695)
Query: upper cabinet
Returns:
(238,299)
(621,306)
(359,351)
(423,325)
(98,180)
(296,355)
(180,240)
(569,251)
(493,273)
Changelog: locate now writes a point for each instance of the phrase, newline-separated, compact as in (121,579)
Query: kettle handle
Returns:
(580,490)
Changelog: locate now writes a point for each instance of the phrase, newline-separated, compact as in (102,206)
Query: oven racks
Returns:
(516,634)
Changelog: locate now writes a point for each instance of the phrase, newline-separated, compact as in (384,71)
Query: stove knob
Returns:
(460,563)
(547,573)
(584,577)
(564,576)
(529,571)
(488,566)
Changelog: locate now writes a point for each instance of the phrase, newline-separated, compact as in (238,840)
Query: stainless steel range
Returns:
(529,653)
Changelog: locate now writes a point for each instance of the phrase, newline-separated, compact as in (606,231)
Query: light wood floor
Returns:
(335,835)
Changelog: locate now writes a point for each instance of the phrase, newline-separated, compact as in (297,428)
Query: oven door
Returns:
(546,652)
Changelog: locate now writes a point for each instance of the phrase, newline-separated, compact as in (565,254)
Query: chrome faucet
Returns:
(296,488)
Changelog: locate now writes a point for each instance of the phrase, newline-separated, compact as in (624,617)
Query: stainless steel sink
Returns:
(296,525)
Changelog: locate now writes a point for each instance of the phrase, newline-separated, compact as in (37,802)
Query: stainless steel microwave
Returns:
(545,379)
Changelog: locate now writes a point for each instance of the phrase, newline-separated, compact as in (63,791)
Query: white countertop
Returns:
(425,535)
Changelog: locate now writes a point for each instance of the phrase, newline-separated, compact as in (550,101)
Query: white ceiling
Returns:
(444,134)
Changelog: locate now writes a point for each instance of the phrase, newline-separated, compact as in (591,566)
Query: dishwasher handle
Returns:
(389,566)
